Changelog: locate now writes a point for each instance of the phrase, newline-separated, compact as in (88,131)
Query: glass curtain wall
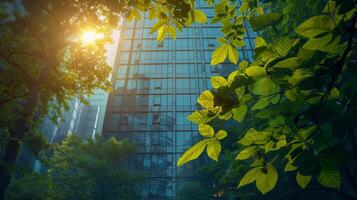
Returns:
(156,86)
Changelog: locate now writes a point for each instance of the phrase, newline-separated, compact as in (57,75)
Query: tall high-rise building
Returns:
(156,86)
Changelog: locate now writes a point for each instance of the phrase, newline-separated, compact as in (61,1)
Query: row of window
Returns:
(189,84)
(154,118)
(120,101)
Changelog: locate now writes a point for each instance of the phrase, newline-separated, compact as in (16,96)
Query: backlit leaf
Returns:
(264,86)
(249,177)
(302,180)
(206,130)
(218,81)
(239,112)
(221,134)
(255,72)
(315,26)
(233,54)
(192,153)
(161,33)
(246,153)
(214,149)
(200,16)
(206,99)
(220,54)
(172,31)
(266,180)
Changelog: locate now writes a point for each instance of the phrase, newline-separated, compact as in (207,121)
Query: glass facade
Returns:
(156,86)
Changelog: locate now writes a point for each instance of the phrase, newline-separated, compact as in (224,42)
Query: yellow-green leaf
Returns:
(218,81)
(243,65)
(172,31)
(255,72)
(302,180)
(221,134)
(206,130)
(161,33)
(158,25)
(266,179)
(249,177)
(202,116)
(261,103)
(239,112)
(246,153)
(206,99)
(213,149)
(199,16)
(264,86)
(193,152)
(259,42)
(233,54)
(220,54)
(315,26)
(291,94)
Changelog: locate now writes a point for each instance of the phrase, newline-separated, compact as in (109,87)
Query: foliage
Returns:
(298,93)
(45,59)
(77,169)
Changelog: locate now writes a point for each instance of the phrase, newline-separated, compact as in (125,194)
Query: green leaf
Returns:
(260,42)
(232,76)
(291,94)
(206,99)
(283,45)
(318,43)
(315,26)
(203,116)
(199,16)
(261,103)
(254,137)
(172,31)
(161,33)
(334,94)
(243,65)
(192,153)
(206,130)
(327,43)
(218,81)
(289,63)
(299,75)
(255,72)
(330,177)
(262,22)
(239,113)
(249,177)
(264,86)
(266,179)
(220,54)
(158,25)
(302,180)
(221,134)
(246,153)
(233,54)
(213,149)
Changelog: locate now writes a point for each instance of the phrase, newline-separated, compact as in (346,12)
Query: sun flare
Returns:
(89,37)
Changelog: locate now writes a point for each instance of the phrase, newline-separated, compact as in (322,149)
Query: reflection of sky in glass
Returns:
(156,86)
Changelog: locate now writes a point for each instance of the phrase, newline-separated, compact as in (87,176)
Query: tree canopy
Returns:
(296,98)
(80,169)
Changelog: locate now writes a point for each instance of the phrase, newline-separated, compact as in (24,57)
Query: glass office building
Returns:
(156,86)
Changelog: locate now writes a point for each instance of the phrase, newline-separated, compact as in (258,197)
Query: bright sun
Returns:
(89,37)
